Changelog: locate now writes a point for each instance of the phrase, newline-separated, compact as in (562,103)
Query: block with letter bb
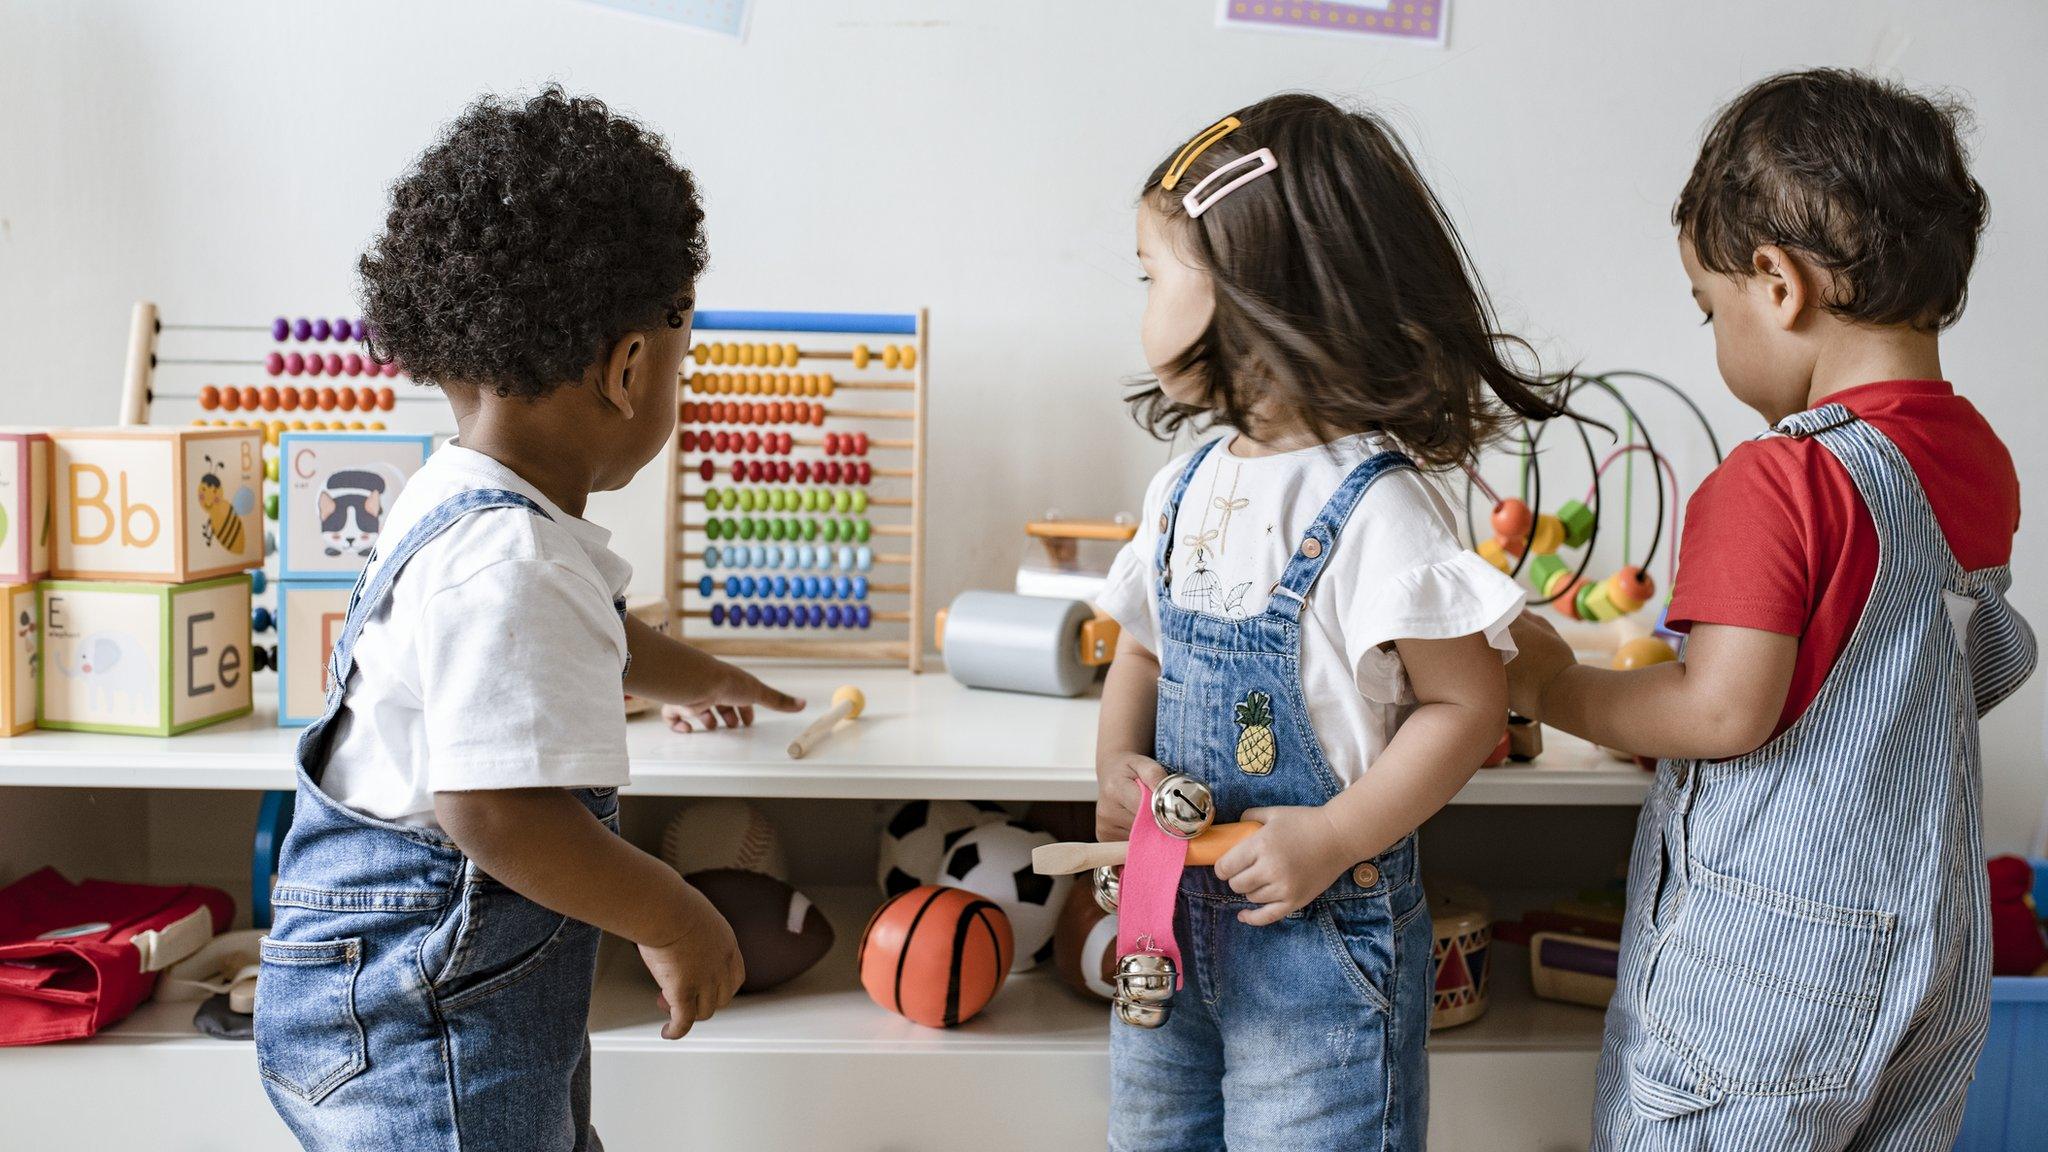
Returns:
(168,505)
(144,659)
(309,619)
(334,491)
(24,507)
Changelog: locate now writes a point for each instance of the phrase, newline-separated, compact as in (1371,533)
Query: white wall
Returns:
(228,160)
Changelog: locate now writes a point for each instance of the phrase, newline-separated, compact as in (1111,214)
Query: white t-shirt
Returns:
(1397,572)
(495,662)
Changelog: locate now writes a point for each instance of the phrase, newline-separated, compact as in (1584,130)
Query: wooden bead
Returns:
(209,397)
(1578,523)
(1494,553)
(860,355)
(1643,652)
(1636,584)
(1594,604)
(1543,568)
(1549,535)
(1512,519)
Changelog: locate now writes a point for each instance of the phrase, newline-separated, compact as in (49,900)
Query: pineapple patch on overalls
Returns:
(1256,751)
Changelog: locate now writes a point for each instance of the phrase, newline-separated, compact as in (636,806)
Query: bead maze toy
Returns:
(786,528)
(1527,543)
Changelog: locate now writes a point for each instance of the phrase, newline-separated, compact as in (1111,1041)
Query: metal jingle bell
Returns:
(1142,1015)
(1183,807)
(1144,978)
(1108,882)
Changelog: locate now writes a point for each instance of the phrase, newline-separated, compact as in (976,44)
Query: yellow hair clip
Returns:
(1192,151)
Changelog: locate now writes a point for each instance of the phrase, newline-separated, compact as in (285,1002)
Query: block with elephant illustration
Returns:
(144,659)
(171,505)
(24,506)
(335,489)
(22,663)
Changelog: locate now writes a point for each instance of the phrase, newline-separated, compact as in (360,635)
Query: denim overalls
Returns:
(407,1000)
(1308,1033)
(1806,960)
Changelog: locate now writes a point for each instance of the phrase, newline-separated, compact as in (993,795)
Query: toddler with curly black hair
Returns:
(452,860)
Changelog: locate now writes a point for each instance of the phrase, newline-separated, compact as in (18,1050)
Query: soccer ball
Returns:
(918,835)
(994,861)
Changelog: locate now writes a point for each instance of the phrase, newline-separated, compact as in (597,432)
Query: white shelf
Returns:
(729,1082)
(921,737)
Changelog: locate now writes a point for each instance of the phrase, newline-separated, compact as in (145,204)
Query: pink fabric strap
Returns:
(1150,885)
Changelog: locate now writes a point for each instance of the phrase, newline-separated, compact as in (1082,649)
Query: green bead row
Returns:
(830,530)
(786,499)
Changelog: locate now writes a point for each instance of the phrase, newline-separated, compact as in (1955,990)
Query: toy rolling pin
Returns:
(847,703)
(1203,851)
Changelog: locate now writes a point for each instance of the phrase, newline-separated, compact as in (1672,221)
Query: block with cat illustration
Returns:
(167,505)
(334,489)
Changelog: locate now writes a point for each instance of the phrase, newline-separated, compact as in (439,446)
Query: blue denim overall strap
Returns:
(1805,962)
(1320,1019)
(407,999)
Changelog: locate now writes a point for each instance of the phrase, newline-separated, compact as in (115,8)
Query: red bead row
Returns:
(332,364)
(799,471)
(739,412)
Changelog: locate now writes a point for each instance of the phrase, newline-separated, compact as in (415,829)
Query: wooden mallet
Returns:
(847,703)
(1074,856)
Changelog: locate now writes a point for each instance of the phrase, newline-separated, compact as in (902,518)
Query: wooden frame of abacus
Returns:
(757,377)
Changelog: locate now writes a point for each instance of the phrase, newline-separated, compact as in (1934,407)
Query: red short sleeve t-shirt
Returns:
(1779,540)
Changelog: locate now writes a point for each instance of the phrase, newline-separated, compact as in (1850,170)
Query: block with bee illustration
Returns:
(162,505)
(146,659)
(334,490)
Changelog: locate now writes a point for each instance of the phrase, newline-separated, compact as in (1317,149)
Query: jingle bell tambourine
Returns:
(1108,880)
(1461,951)
(1144,989)
(1183,807)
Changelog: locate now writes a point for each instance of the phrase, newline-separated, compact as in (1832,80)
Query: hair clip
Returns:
(1193,202)
(1193,149)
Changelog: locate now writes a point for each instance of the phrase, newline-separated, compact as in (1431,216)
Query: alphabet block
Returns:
(24,507)
(336,489)
(168,505)
(21,664)
(144,659)
(309,619)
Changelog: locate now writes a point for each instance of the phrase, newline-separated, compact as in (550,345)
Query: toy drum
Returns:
(1462,950)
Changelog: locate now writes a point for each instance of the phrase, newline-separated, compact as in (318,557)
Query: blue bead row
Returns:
(793,615)
(801,587)
(845,558)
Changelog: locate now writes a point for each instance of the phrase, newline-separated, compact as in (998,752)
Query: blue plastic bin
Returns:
(2008,1108)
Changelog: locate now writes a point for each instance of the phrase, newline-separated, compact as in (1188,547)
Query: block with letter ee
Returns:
(144,659)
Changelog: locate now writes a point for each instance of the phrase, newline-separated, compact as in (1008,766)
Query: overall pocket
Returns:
(495,937)
(1360,935)
(309,1040)
(1764,992)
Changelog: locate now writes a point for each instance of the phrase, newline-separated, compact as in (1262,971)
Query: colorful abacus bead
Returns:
(1578,523)
(1494,552)
(1548,537)
(1511,519)
(280,329)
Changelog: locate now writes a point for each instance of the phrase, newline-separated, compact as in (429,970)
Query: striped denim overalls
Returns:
(408,1000)
(1806,962)
(1301,1036)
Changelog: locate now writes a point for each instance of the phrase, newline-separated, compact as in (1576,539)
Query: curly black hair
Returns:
(1866,178)
(526,241)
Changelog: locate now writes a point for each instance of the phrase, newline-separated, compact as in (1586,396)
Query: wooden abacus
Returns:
(784,529)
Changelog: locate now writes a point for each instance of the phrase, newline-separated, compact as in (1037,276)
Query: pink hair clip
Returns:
(1196,205)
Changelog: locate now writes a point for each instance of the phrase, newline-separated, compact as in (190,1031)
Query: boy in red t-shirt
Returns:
(1805,959)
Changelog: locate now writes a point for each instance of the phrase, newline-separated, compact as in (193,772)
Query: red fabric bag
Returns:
(75,958)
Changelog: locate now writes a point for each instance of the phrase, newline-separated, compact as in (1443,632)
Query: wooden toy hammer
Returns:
(847,703)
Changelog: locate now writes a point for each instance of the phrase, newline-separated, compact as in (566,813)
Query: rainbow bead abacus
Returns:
(797,509)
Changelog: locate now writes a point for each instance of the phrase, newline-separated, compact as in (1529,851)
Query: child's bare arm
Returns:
(545,845)
(701,687)
(1123,737)
(1462,706)
(1722,700)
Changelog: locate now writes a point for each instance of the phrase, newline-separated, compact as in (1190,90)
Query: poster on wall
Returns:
(1409,21)
(722,17)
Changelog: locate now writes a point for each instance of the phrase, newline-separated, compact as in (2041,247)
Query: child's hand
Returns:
(728,699)
(698,970)
(1540,655)
(1116,792)
(1285,864)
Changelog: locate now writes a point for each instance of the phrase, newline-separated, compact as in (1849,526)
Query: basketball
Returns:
(935,955)
(1084,945)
